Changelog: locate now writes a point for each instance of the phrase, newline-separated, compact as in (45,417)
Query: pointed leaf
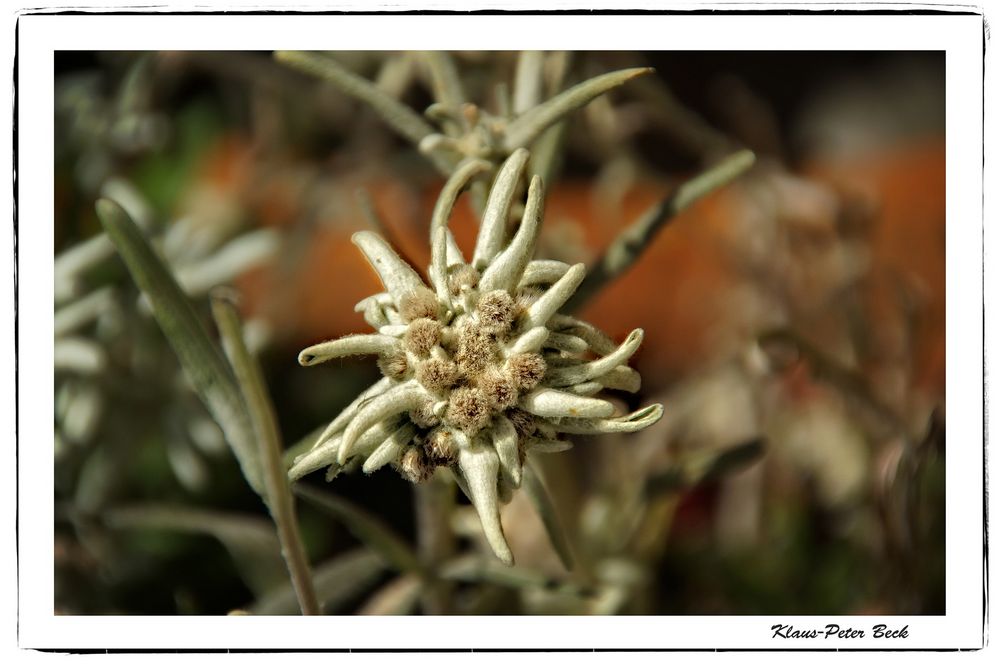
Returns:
(201,359)
(526,127)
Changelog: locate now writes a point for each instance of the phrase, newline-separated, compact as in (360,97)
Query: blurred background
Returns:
(794,332)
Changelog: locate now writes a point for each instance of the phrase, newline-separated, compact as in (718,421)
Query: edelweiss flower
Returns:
(480,368)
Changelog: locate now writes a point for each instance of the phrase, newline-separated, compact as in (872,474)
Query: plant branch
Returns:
(630,244)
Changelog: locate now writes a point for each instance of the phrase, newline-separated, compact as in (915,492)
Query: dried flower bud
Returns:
(526,370)
(462,276)
(496,312)
(421,336)
(419,303)
(413,465)
(499,389)
(476,349)
(437,375)
(393,364)
(423,415)
(440,447)
(468,410)
(523,421)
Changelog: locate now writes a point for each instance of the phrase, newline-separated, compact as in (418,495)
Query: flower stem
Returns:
(278,496)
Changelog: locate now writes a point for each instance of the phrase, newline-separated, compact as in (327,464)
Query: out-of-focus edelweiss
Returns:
(480,368)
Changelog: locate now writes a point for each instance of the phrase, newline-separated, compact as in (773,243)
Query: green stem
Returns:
(435,541)
(278,496)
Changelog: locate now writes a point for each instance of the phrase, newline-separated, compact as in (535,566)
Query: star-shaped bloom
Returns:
(480,367)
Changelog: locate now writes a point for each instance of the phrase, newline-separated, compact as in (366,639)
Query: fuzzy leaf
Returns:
(526,127)
(200,357)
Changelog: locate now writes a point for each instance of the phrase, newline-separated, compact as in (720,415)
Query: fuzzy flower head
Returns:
(479,366)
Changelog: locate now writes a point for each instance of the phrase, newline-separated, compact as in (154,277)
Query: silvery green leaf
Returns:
(526,127)
(81,411)
(337,581)
(546,402)
(506,269)
(636,421)
(401,398)
(250,540)
(370,530)
(528,80)
(542,502)
(543,271)
(76,354)
(199,356)
(397,115)
(355,344)
(553,299)
(80,312)
(480,465)
(458,181)
(228,261)
(561,377)
(278,497)
(398,277)
(446,84)
(493,230)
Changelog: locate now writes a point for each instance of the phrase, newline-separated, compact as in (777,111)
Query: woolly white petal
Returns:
(390,448)
(347,414)
(506,270)
(546,402)
(504,438)
(543,271)
(346,347)
(636,421)
(566,342)
(553,299)
(480,466)
(323,454)
(530,341)
(401,398)
(561,377)
(398,277)
(494,226)
(439,223)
